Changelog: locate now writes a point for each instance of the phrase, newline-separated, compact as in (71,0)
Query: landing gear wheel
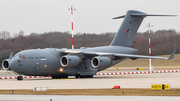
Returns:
(65,76)
(20,78)
(89,76)
(53,77)
(77,76)
(83,76)
(60,77)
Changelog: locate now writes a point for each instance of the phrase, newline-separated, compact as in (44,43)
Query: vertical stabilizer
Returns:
(128,28)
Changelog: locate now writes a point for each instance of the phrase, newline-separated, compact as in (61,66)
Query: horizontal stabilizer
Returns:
(137,14)
(150,15)
(119,17)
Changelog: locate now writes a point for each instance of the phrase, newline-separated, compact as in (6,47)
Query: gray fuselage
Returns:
(43,62)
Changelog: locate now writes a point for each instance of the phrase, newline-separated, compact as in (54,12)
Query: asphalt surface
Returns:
(85,98)
(107,81)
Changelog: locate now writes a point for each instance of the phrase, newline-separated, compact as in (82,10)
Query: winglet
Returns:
(172,54)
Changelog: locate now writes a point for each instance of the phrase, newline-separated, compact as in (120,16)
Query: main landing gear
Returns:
(83,76)
(60,77)
(20,78)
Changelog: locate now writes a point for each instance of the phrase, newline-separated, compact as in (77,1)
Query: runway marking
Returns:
(128,76)
(114,73)
(120,76)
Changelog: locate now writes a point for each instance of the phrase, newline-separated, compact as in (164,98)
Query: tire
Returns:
(83,76)
(77,76)
(60,77)
(89,76)
(53,77)
(20,78)
(65,76)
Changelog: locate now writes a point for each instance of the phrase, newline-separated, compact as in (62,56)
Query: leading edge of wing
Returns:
(140,56)
(125,55)
(150,57)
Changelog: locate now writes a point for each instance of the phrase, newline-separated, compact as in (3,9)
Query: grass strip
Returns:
(145,62)
(132,92)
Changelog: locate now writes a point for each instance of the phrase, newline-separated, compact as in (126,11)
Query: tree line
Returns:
(162,41)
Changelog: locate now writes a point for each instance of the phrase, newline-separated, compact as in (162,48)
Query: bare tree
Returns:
(5,35)
(21,33)
(15,35)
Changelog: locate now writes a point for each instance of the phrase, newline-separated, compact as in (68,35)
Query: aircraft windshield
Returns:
(15,57)
(20,56)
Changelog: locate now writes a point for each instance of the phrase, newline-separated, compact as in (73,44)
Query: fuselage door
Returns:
(20,65)
(37,67)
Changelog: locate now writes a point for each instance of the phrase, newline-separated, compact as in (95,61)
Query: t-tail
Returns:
(129,27)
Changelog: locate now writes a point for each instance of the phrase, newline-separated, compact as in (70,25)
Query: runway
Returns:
(104,81)
(86,98)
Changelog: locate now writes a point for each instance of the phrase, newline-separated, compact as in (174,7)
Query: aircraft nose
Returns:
(13,65)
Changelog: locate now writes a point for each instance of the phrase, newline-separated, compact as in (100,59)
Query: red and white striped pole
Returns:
(150,67)
(149,48)
(71,10)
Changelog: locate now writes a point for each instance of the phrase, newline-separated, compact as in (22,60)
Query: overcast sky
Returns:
(91,16)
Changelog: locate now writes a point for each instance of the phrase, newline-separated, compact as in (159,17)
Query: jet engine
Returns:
(5,64)
(100,62)
(70,60)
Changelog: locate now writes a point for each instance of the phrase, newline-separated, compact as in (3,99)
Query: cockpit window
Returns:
(20,56)
(15,57)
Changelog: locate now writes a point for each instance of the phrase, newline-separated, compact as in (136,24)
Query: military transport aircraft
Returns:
(83,62)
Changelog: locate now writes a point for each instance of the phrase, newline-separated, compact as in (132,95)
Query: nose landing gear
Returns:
(20,78)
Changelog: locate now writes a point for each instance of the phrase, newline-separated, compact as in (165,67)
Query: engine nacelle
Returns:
(6,65)
(101,62)
(70,60)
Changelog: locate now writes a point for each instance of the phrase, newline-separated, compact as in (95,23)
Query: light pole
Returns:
(150,67)
(71,10)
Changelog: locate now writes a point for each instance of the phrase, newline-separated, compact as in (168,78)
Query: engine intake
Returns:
(5,64)
(100,62)
(70,61)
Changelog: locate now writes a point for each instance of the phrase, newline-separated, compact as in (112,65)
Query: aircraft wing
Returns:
(133,57)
